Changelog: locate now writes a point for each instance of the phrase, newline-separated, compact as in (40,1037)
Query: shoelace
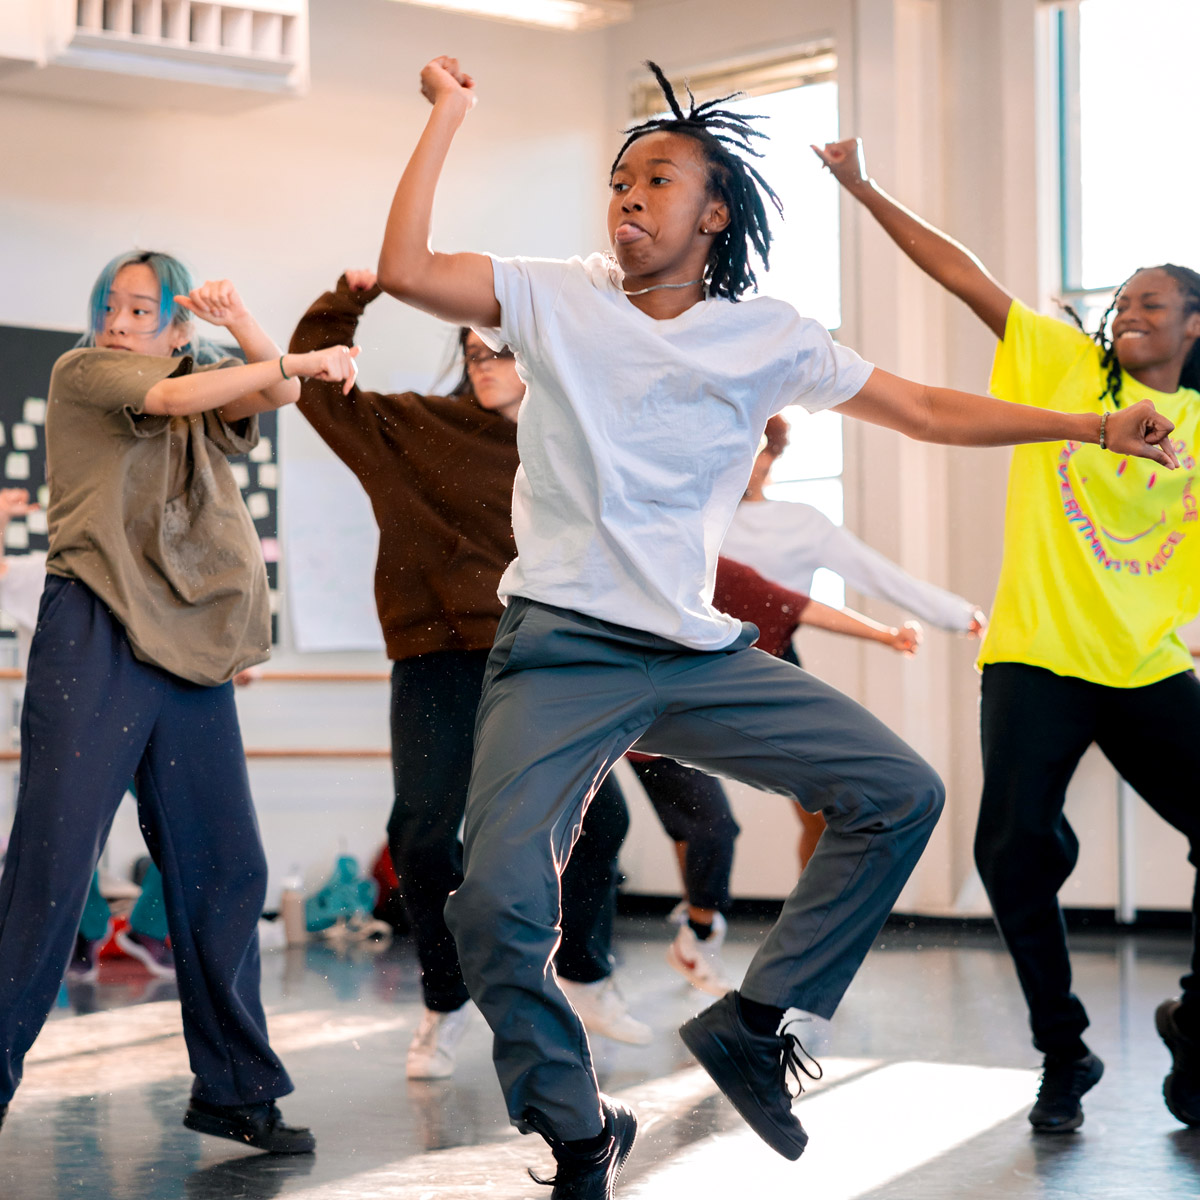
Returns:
(792,1062)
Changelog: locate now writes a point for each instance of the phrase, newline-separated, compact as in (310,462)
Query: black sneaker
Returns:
(257,1125)
(1064,1081)
(593,1177)
(1181,1088)
(752,1070)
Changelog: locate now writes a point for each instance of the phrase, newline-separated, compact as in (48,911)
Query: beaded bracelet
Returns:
(1104,431)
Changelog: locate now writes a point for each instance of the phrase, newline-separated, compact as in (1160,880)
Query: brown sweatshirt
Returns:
(439,474)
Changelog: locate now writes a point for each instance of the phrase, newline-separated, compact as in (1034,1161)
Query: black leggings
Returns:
(434,698)
(693,808)
(1036,726)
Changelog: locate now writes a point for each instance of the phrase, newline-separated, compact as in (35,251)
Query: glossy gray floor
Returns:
(928,1078)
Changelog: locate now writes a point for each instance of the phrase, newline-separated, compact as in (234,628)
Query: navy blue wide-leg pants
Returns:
(95,717)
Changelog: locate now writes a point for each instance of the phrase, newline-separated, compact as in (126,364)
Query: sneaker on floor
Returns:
(257,1125)
(604,1011)
(85,959)
(752,1070)
(156,956)
(432,1052)
(700,963)
(591,1177)
(1064,1082)
(1181,1088)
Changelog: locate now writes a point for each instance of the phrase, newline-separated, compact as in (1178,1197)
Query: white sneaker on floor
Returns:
(604,1012)
(432,1052)
(700,963)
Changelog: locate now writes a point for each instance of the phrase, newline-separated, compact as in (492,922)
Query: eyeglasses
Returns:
(477,357)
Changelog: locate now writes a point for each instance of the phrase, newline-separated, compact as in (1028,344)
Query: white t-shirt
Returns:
(787,542)
(21,587)
(637,437)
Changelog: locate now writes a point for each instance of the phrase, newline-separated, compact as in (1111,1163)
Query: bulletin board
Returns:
(26,359)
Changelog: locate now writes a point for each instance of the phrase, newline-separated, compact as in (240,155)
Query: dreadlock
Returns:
(1189,377)
(724,137)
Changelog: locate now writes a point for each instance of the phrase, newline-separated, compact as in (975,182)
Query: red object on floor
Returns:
(110,949)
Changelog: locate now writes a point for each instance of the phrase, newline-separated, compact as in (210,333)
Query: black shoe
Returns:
(257,1125)
(593,1177)
(752,1070)
(1064,1081)
(1181,1088)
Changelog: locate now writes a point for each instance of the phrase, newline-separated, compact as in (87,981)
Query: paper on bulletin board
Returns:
(329,558)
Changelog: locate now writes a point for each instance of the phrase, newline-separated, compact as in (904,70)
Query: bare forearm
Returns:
(845,621)
(258,346)
(936,253)
(406,248)
(955,418)
(204,390)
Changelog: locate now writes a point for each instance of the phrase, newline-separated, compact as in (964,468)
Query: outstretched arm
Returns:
(260,385)
(932,414)
(906,639)
(455,287)
(939,256)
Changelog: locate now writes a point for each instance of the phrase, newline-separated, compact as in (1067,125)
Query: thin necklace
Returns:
(654,287)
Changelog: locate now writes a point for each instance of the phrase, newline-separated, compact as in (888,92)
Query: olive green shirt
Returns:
(145,511)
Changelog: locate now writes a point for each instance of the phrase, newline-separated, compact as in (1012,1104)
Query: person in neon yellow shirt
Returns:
(1101,569)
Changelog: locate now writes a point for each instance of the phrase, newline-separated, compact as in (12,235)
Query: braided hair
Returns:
(1188,282)
(724,137)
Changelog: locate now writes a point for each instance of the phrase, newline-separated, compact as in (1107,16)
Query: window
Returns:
(1128,171)
(797,92)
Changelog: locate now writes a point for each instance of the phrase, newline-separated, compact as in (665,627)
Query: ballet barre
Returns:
(14,674)
(276,752)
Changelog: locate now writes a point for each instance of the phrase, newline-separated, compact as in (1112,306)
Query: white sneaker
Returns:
(679,916)
(604,1012)
(435,1044)
(700,963)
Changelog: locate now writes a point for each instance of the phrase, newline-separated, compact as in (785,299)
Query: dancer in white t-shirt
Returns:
(649,386)
(789,542)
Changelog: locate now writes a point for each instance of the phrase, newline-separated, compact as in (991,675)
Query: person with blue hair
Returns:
(155,597)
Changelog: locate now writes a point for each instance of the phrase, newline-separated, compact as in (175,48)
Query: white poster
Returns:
(329,558)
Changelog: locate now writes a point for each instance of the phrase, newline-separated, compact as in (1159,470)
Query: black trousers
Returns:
(434,698)
(1035,727)
(693,808)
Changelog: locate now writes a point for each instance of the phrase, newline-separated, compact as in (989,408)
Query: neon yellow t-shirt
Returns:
(1101,553)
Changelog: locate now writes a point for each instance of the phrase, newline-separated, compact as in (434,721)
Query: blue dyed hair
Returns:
(174,279)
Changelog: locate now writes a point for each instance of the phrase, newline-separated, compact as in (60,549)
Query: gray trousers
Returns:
(564,697)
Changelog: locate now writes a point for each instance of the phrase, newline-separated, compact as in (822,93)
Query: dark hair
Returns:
(1188,282)
(464,387)
(777,434)
(724,137)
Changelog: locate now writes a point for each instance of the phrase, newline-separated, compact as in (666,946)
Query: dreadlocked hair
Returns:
(725,137)
(1189,377)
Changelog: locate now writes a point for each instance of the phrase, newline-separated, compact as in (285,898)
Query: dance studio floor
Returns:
(928,1076)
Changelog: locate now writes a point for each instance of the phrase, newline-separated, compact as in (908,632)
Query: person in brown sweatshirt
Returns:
(438,471)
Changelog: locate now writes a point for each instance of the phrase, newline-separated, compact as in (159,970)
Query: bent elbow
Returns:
(395,278)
